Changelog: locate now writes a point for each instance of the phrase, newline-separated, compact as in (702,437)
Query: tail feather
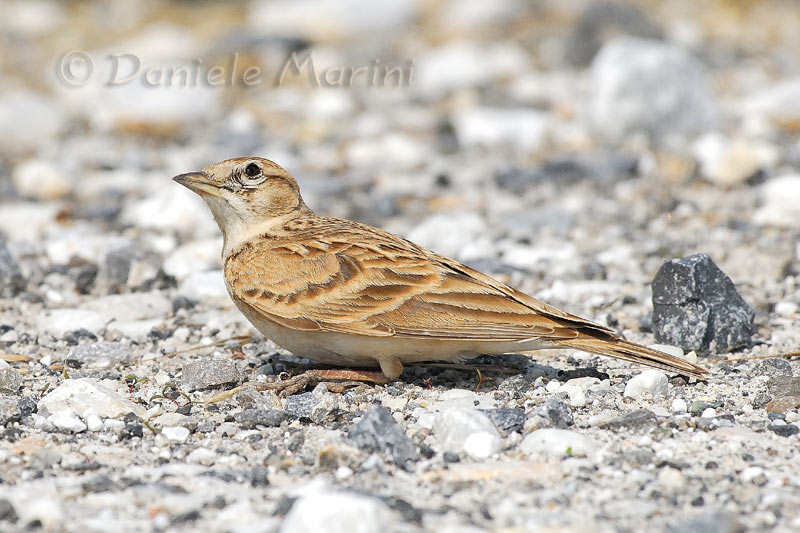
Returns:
(636,353)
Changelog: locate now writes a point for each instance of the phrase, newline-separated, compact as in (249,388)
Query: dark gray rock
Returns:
(773,367)
(85,276)
(784,430)
(506,419)
(377,431)
(639,420)
(557,412)
(250,418)
(11,280)
(26,406)
(696,306)
(601,21)
(117,267)
(209,373)
(10,380)
(7,511)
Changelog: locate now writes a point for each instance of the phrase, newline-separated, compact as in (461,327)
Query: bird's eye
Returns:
(252,170)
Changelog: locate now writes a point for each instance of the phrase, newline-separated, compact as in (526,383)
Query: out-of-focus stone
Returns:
(641,85)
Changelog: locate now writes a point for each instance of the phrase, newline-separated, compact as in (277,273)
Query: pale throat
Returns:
(238,228)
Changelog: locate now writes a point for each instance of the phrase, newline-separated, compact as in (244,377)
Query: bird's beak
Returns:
(198,182)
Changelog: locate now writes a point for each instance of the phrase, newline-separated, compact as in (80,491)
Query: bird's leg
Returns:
(335,380)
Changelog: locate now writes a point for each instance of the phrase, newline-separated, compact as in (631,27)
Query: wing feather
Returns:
(341,276)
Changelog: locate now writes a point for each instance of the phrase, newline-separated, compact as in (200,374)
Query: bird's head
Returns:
(245,193)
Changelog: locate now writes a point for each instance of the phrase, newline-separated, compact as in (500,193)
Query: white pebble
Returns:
(558,442)
(66,420)
(481,445)
(709,412)
(650,382)
(202,456)
(671,479)
(175,433)
(679,406)
(337,512)
(786,309)
(467,430)
(750,473)
(552,386)
(93,422)
(577,398)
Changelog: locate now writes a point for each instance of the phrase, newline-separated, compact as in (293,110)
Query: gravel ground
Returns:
(567,148)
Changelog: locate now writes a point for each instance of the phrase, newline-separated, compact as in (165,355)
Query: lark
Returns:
(343,293)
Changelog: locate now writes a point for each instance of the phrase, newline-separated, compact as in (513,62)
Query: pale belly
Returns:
(359,350)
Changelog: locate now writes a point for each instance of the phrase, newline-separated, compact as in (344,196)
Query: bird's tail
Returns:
(636,353)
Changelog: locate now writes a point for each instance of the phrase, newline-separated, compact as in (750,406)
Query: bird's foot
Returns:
(335,380)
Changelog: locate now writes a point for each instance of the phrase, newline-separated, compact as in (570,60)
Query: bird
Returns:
(343,293)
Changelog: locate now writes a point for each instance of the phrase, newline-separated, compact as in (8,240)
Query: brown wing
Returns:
(345,277)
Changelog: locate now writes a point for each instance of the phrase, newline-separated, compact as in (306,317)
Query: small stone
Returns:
(506,419)
(696,306)
(11,280)
(671,479)
(650,86)
(601,20)
(557,412)
(784,386)
(337,512)
(85,276)
(26,406)
(753,474)
(453,427)
(378,432)
(784,430)
(697,407)
(209,373)
(709,412)
(66,420)
(773,367)
(558,443)
(650,383)
(730,162)
(253,417)
(782,405)
(315,405)
(10,380)
(787,310)
(117,267)
(175,433)
(202,456)
(78,395)
(679,406)
(93,422)
(635,421)
(577,398)
(7,512)
(9,411)
(100,354)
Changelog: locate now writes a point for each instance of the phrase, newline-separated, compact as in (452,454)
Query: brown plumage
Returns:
(345,293)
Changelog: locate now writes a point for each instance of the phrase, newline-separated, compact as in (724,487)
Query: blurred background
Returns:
(541,141)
